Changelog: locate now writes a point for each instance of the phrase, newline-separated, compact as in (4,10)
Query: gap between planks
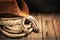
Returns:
(48,30)
(56,22)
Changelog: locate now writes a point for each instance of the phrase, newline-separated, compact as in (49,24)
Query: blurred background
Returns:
(43,5)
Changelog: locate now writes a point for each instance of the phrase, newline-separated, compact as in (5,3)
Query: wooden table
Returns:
(49,25)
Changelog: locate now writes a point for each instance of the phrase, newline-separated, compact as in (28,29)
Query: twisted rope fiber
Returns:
(15,27)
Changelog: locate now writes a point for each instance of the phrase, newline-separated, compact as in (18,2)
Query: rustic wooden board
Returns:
(48,31)
(37,36)
(25,38)
(56,21)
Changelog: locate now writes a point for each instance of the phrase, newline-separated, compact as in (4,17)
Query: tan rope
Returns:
(17,27)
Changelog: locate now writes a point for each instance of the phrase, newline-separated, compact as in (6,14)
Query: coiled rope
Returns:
(17,27)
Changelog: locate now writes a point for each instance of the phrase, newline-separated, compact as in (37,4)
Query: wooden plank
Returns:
(37,36)
(25,38)
(56,22)
(48,31)
(11,38)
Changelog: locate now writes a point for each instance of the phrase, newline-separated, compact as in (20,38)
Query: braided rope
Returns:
(13,28)
(16,27)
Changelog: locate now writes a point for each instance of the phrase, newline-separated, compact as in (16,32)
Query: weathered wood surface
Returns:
(48,30)
(49,26)
(56,21)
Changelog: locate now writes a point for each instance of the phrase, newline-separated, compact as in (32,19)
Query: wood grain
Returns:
(48,31)
(56,21)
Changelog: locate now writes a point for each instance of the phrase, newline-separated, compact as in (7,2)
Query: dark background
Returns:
(43,5)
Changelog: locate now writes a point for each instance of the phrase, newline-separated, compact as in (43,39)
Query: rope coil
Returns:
(17,27)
